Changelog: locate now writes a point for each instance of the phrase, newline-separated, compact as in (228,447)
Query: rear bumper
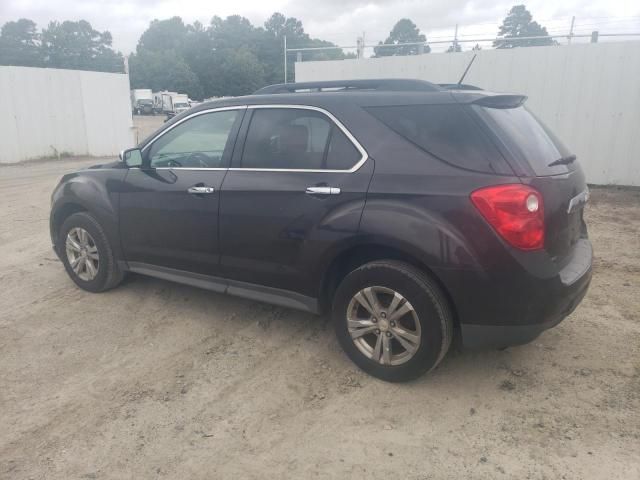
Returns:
(513,306)
(476,336)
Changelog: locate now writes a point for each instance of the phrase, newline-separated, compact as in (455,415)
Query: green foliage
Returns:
(74,45)
(163,71)
(228,57)
(239,74)
(405,31)
(163,35)
(20,44)
(519,24)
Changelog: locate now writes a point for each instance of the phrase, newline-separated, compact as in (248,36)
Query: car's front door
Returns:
(296,187)
(169,206)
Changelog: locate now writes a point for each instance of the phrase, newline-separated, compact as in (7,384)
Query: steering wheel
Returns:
(201,158)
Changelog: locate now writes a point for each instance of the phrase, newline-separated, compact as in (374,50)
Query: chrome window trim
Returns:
(195,114)
(332,118)
(196,169)
(364,156)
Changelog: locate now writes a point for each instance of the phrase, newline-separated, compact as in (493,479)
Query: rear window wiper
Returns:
(563,161)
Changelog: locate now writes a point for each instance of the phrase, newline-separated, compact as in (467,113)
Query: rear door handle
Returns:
(323,190)
(200,190)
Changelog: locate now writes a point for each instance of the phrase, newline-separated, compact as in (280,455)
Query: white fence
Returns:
(588,94)
(48,112)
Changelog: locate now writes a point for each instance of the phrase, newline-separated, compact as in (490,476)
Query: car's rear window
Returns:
(526,138)
(446,131)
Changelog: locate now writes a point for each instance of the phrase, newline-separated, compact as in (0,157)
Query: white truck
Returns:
(142,101)
(162,101)
(174,104)
(180,103)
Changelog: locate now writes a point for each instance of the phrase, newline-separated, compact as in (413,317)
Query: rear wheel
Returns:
(87,255)
(392,320)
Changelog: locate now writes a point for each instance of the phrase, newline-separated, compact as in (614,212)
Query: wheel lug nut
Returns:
(377,332)
(383,315)
(374,320)
(388,334)
(393,324)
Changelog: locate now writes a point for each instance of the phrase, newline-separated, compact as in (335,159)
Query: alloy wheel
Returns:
(82,254)
(383,325)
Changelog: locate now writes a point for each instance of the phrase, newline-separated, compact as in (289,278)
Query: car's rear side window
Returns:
(446,131)
(526,138)
(296,139)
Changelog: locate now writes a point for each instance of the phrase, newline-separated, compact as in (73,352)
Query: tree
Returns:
(405,31)
(163,71)
(76,45)
(20,44)
(163,35)
(230,56)
(519,24)
(276,27)
(239,73)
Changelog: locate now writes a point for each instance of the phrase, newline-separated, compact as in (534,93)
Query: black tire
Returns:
(430,305)
(108,275)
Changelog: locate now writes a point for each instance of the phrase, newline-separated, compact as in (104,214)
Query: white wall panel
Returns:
(49,110)
(589,94)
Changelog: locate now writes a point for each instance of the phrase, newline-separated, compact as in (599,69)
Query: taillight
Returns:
(515,211)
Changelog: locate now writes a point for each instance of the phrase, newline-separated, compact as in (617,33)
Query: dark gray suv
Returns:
(416,213)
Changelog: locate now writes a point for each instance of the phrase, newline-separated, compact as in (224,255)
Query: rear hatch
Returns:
(540,159)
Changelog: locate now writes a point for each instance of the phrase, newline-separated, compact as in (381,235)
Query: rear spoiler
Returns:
(458,86)
(501,101)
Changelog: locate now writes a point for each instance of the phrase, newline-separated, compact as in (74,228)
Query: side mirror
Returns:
(132,157)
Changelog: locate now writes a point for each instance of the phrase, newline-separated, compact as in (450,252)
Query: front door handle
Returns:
(200,190)
(323,190)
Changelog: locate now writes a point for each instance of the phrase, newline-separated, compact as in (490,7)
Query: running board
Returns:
(251,291)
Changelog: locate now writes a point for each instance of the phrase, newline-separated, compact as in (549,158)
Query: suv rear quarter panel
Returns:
(421,205)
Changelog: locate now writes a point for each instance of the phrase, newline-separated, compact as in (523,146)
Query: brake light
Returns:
(515,211)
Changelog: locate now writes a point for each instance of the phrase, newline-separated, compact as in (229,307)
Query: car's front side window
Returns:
(198,142)
(296,139)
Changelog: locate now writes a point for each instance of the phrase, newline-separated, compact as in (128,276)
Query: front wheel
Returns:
(87,255)
(392,320)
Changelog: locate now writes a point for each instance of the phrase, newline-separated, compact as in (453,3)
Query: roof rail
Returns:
(458,86)
(390,84)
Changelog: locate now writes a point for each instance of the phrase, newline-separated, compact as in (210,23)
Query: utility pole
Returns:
(573,20)
(360,47)
(285,58)
(455,40)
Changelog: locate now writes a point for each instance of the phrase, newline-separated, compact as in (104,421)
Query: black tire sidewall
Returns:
(83,220)
(425,298)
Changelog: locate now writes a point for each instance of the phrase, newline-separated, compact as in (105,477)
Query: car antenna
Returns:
(467,69)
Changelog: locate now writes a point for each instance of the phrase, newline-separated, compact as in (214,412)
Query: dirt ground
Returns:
(157,380)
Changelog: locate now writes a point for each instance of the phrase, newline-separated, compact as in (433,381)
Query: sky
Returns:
(339,21)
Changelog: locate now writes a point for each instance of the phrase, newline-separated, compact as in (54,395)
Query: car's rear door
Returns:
(169,206)
(295,188)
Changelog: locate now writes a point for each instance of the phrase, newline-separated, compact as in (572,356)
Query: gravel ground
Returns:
(157,380)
